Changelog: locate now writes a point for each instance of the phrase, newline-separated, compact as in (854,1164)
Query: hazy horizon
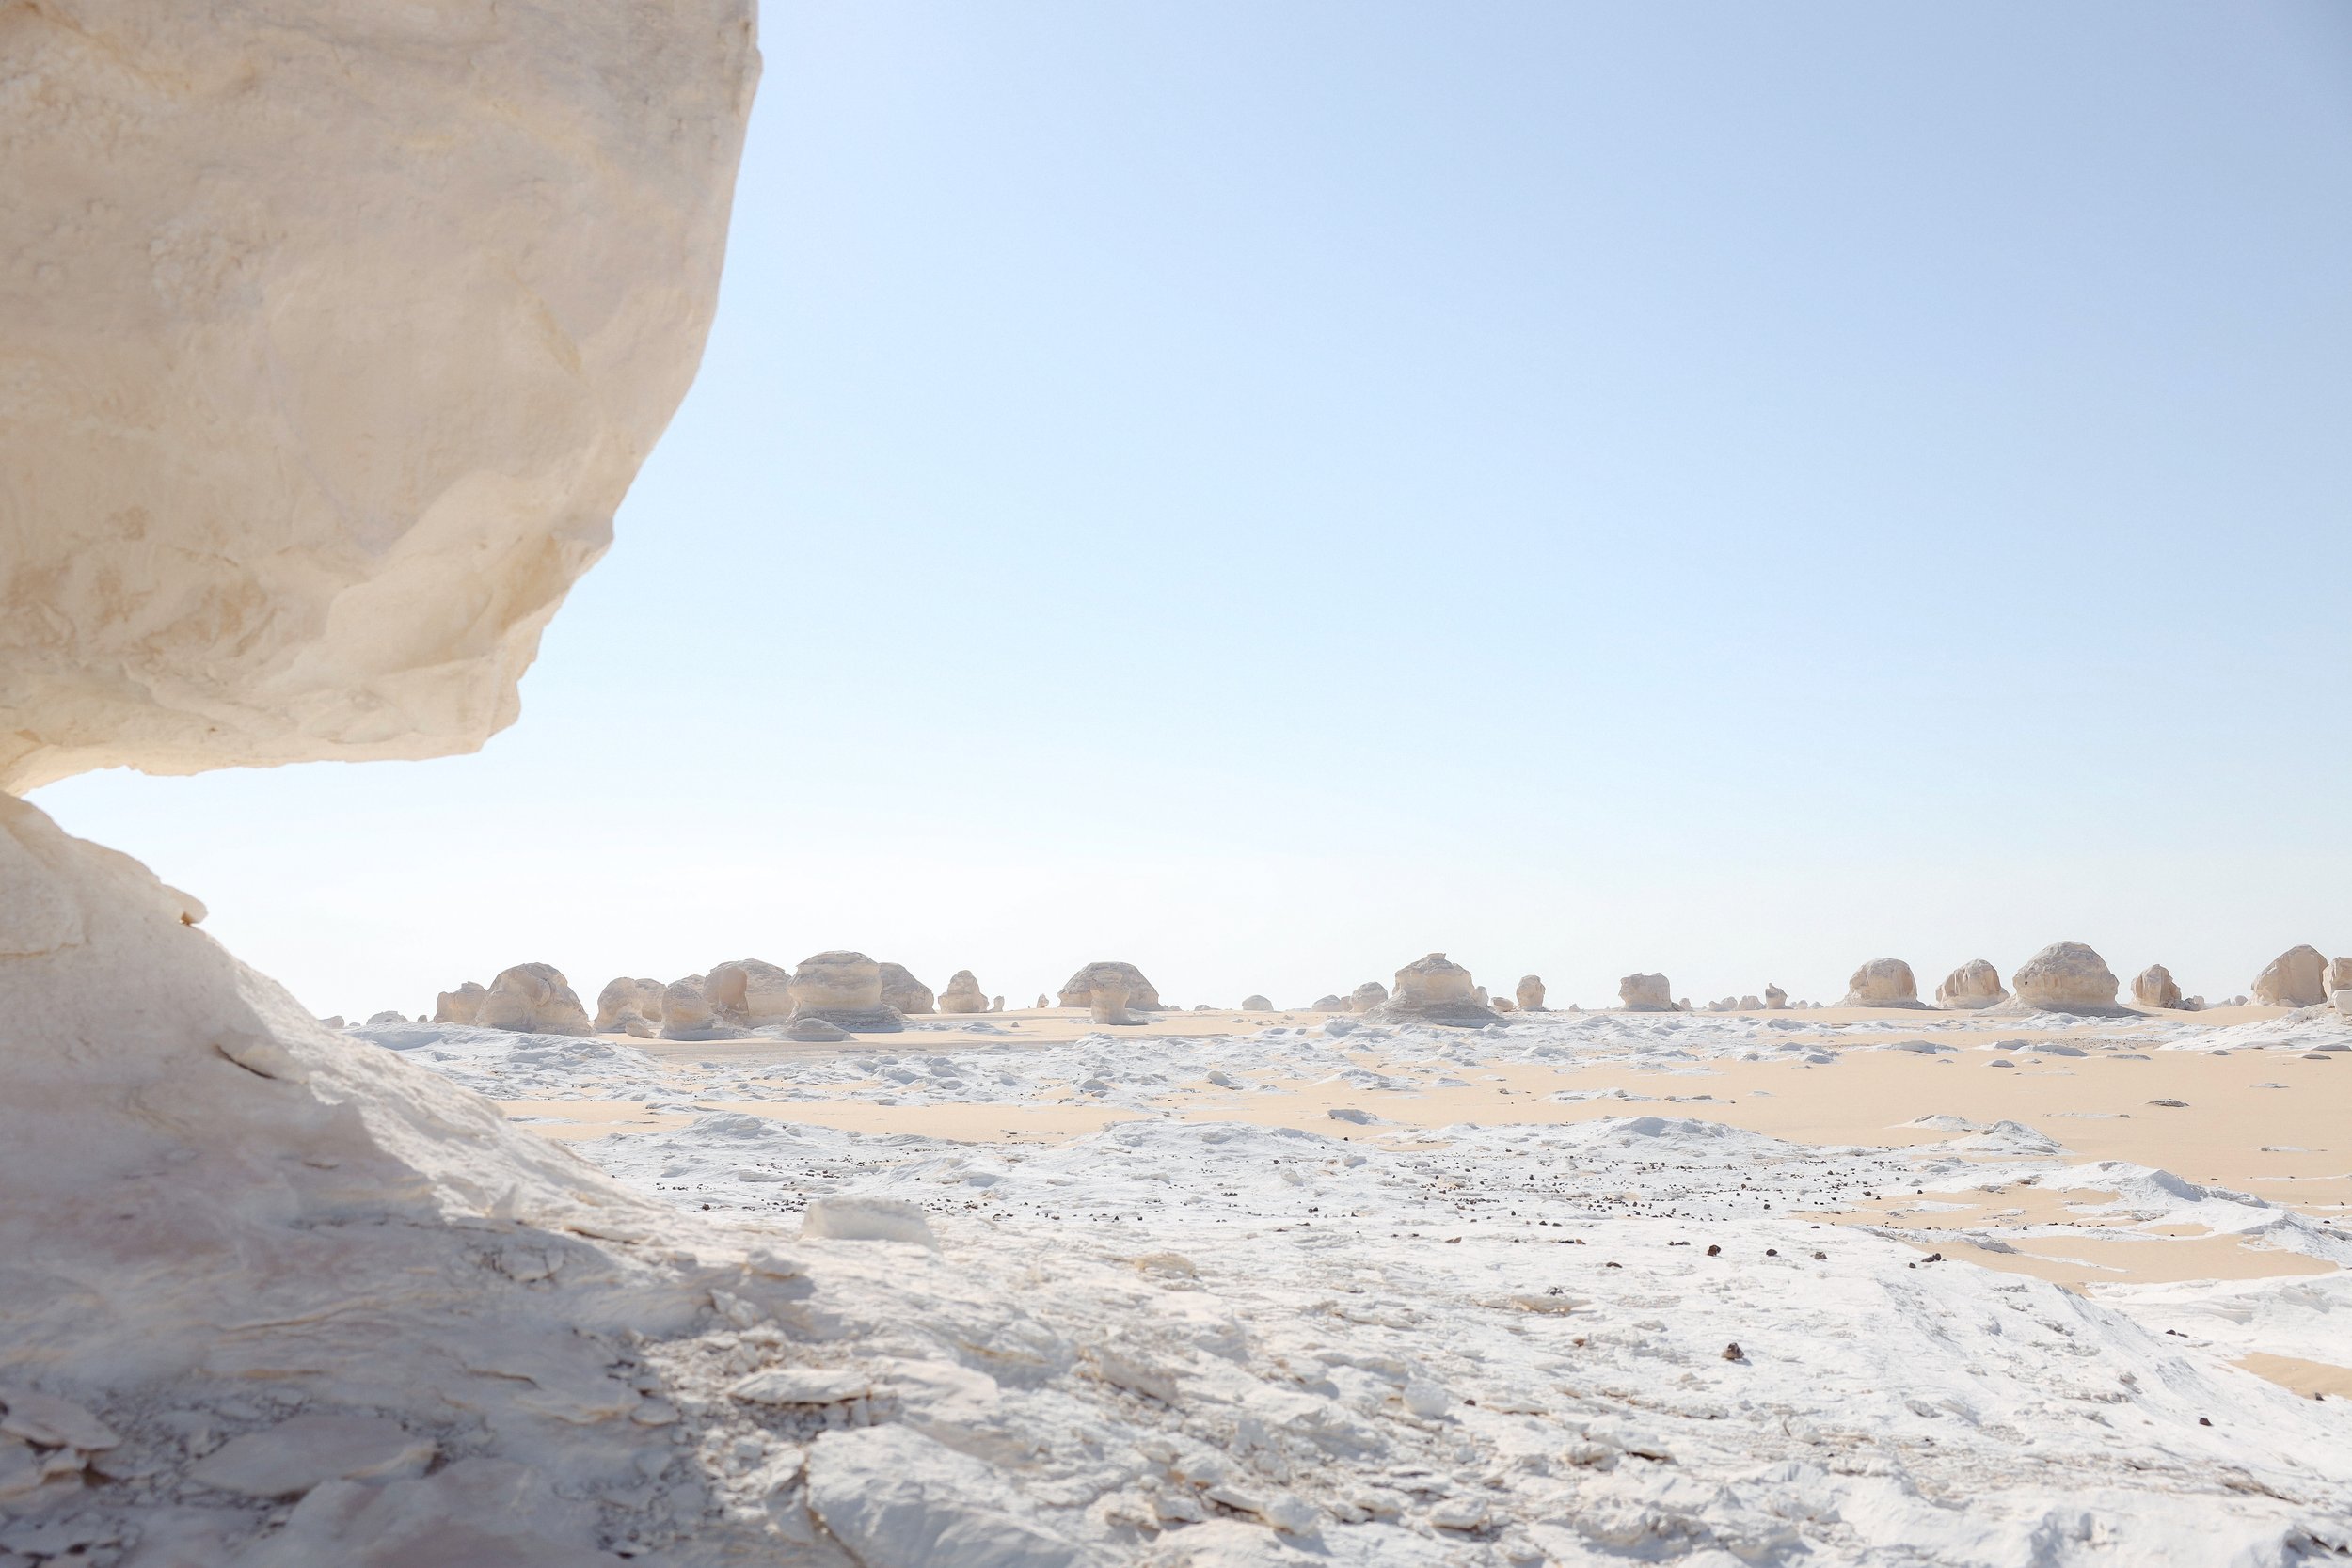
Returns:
(1267,493)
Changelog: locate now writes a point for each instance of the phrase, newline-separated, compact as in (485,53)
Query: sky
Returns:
(1266,492)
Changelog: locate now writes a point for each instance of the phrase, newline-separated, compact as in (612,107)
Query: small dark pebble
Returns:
(1932,1257)
(2205,1420)
(1821,1258)
(1733,1353)
(1612,1265)
(1715,1252)
(1772,1252)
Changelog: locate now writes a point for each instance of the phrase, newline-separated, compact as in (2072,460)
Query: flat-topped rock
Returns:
(1436,990)
(462,1006)
(533,999)
(1973,986)
(1078,991)
(2065,976)
(1882,983)
(630,1006)
(902,990)
(1646,993)
(843,989)
(2296,979)
(962,994)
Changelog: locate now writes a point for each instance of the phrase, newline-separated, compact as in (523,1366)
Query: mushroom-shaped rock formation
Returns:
(687,1013)
(962,994)
(533,999)
(462,1006)
(1108,1002)
(1775,1000)
(2296,979)
(1973,986)
(1256,1004)
(1367,996)
(1434,989)
(1882,983)
(1750,1004)
(902,990)
(628,1007)
(2065,976)
(2154,986)
(1530,993)
(748,994)
(1646,993)
(1079,991)
(845,989)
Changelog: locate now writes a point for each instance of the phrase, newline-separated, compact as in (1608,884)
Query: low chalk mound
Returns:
(1436,990)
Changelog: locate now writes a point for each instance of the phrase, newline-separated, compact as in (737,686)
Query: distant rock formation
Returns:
(1106,1003)
(2065,976)
(1775,1000)
(1042,1002)
(1531,995)
(462,1006)
(632,1007)
(1328,1002)
(997,1005)
(1646,993)
(1434,989)
(843,989)
(2153,987)
(2296,979)
(1973,986)
(748,994)
(1882,983)
(1503,1005)
(962,994)
(533,999)
(1750,1004)
(1367,996)
(902,990)
(2339,975)
(1256,1004)
(1079,991)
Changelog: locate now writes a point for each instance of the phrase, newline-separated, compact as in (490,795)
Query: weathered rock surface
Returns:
(687,1013)
(630,1006)
(1434,989)
(902,990)
(2154,986)
(1775,999)
(2065,976)
(750,993)
(1079,991)
(1882,983)
(2296,979)
(1646,993)
(1973,986)
(333,339)
(533,999)
(462,1006)
(962,994)
(1256,1004)
(1329,1002)
(843,989)
(1108,1002)
(1367,996)
(1530,993)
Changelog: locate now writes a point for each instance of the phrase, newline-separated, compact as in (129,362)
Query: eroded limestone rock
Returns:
(2154,986)
(962,994)
(533,999)
(2296,979)
(1530,993)
(1775,999)
(1646,993)
(462,1006)
(902,990)
(2065,976)
(1367,996)
(750,993)
(1434,989)
(1973,986)
(1256,1004)
(1079,991)
(688,1015)
(630,1006)
(1882,983)
(843,989)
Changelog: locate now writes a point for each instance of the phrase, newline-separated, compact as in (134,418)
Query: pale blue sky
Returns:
(1266,491)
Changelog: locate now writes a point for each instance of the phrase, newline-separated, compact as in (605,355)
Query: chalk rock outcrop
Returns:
(2296,979)
(1882,983)
(2065,976)
(462,1006)
(748,994)
(1530,993)
(843,989)
(2339,975)
(1108,1002)
(1646,993)
(533,999)
(688,1015)
(902,990)
(1973,986)
(2154,986)
(1750,1004)
(962,994)
(1367,996)
(1434,989)
(1256,1004)
(331,356)
(628,1007)
(1081,986)
(1775,1000)
(1329,1002)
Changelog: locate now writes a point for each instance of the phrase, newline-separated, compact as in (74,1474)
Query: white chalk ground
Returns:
(1188,1340)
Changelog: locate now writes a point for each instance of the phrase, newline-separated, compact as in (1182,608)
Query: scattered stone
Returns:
(52,1422)
(789,1386)
(1733,1353)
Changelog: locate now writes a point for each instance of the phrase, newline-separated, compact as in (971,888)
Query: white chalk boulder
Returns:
(2296,979)
(1367,996)
(851,1218)
(1434,989)
(687,1013)
(902,990)
(843,989)
(1256,1004)
(962,994)
(1882,983)
(1530,993)
(630,1006)
(1646,993)
(2154,986)
(1775,1000)
(533,999)
(1080,989)
(2065,976)
(462,1006)
(750,993)
(1972,987)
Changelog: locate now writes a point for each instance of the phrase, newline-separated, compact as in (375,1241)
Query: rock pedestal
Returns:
(2296,979)
(1973,986)
(1436,990)
(1882,983)
(1108,1002)
(1081,986)
(533,999)
(843,989)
